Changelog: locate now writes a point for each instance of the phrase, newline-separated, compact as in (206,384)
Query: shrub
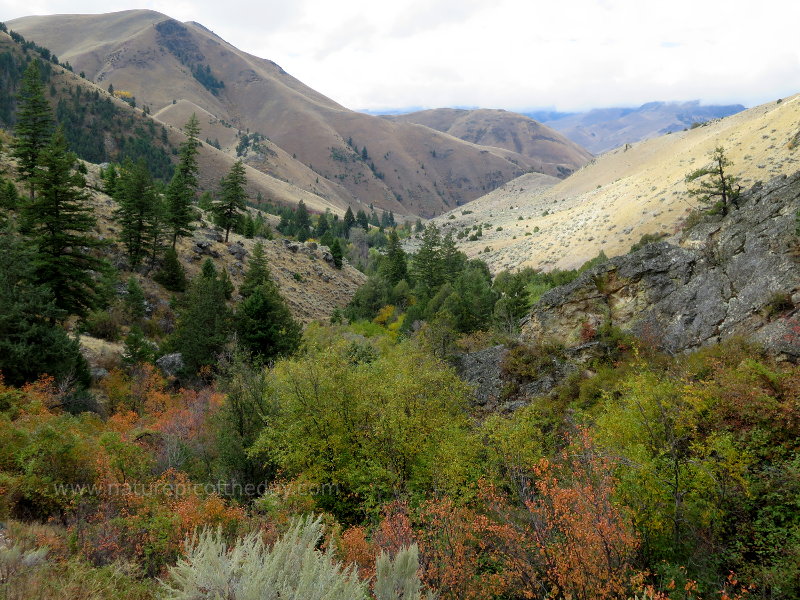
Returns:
(250,570)
(103,324)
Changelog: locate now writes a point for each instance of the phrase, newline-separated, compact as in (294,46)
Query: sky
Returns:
(514,54)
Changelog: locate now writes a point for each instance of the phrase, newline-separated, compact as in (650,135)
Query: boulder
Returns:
(171,364)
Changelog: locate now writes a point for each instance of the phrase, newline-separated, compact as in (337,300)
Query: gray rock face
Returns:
(171,364)
(204,248)
(721,279)
(237,250)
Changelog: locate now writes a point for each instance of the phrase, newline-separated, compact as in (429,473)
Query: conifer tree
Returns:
(394,266)
(59,220)
(204,321)
(182,188)
(452,260)
(171,274)
(231,202)
(257,271)
(302,222)
(349,220)
(427,262)
(713,185)
(322,225)
(31,343)
(34,124)
(337,253)
(362,220)
(138,212)
(134,299)
(264,324)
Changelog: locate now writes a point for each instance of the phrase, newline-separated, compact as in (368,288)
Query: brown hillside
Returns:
(553,153)
(611,202)
(151,56)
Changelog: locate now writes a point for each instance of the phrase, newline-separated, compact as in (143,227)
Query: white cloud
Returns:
(512,53)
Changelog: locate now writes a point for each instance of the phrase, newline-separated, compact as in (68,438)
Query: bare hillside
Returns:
(611,202)
(554,154)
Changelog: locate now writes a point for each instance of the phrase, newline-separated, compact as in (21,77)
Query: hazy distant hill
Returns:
(603,129)
(554,154)
(312,141)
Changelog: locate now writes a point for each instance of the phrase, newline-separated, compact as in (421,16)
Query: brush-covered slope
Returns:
(610,203)
(604,129)
(553,153)
(409,169)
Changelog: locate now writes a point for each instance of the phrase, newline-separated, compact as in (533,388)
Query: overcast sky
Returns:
(513,54)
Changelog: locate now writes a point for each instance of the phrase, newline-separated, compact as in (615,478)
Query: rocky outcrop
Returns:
(733,275)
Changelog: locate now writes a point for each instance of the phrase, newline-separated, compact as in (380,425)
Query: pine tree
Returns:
(394,266)
(257,271)
(59,219)
(9,198)
(137,349)
(302,221)
(138,210)
(171,274)
(134,299)
(231,202)
(204,321)
(322,226)
(714,186)
(427,262)
(31,344)
(349,220)
(453,261)
(182,188)
(264,324)
(362,220)
(34,124)
(337,253)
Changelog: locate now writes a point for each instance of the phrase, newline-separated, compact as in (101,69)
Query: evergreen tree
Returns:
(394,267)
(134,299)
(302,222)
(138,210)
(427,263)
(34,124)
(713,185)
(349,220)
(362,220)
(264,324)
(232,198)
(182,188)
(257,271)
(337,253)
(9,198)
(204,320)
(171,274)
(453,261)
(322,226)
(138,349)
(31,344)
(59,220)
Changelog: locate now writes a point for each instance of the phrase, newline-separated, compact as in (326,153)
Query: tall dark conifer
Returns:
(181,190)
(231,202)
(138,212)
(34,124)
(59,220)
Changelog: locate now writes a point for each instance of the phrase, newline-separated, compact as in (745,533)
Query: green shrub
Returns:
(292,567)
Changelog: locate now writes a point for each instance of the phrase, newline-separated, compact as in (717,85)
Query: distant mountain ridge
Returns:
(304,138)
(604,129)
(554,154)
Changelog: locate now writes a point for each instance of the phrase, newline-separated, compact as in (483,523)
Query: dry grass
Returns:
(609,204)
